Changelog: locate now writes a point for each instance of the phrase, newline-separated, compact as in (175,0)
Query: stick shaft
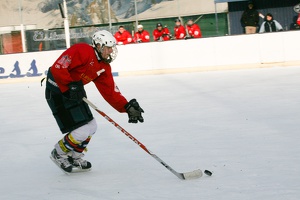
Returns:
(136,141)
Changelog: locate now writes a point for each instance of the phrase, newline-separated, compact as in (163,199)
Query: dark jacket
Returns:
(250,17)
(270,26)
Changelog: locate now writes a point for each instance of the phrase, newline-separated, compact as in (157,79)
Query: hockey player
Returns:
(123,36)
(193,30)
(179,30)
(77,66)
(161,34)
(141,35)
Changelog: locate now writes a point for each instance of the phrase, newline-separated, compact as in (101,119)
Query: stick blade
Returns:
(193,174)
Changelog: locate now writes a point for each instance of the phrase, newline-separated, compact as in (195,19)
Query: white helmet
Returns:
(104,38)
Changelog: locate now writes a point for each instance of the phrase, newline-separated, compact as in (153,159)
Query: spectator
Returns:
(179,30)
(123,36)
(270,25)
(296,23)
(161,34)
(141,35)
(193,30)
(250,19)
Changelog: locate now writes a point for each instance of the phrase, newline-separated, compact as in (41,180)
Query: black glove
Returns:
(76,91)
(134,111)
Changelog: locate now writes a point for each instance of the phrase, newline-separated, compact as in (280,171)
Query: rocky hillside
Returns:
(46,14)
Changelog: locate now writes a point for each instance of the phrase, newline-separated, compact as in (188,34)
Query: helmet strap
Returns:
(98,54)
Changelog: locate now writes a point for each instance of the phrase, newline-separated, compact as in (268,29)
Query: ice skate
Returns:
(62,161)
(80,164)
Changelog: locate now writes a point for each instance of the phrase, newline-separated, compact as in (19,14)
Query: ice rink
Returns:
(242,125)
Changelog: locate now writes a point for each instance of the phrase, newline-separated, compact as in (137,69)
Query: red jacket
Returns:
(179,32)
(194,31)
(79,62)
(123,38)
(298,19)
(164,34)
(143,36)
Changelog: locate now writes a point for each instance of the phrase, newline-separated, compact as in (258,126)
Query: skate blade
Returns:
(79,170)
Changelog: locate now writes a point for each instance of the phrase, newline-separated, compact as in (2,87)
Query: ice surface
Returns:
(241,125)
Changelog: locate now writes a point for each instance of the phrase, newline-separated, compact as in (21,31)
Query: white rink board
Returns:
(210,53)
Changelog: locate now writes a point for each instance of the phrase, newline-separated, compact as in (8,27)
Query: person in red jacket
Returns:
(141,35)
(123,36)
(161,34)
(193,29)
(77,66)
(179,30)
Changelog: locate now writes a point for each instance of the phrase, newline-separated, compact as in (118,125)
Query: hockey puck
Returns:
(208,173)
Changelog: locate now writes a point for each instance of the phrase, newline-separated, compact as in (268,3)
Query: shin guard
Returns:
(68,143)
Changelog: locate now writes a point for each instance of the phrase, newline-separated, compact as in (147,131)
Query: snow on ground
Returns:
(242,125)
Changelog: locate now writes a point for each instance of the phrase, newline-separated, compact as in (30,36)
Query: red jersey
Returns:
(143,36)
(179,32)
(194,31)
(80,62)
(162,35)
(123,38)
(298,19)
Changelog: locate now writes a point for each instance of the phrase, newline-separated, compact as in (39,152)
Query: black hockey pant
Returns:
(68,114)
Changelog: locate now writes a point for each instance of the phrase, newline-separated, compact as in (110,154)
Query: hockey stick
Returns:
(183,176)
